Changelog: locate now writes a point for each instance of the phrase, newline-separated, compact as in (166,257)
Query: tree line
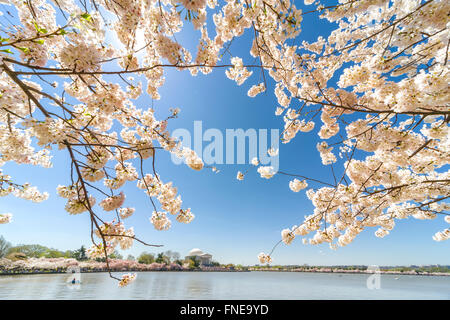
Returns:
(24,251)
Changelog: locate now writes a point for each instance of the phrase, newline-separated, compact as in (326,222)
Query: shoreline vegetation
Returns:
(37,259)
(64,265)
(345,270)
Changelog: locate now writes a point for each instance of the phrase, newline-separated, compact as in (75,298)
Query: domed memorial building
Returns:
(197,254)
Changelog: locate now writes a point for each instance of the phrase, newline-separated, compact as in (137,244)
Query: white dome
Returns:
(195,252)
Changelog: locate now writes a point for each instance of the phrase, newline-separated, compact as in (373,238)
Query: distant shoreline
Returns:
(340,272)
(67,265)
(443,274)
(13,273)
(64,265)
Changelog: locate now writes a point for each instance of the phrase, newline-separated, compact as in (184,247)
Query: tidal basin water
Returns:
(225,285)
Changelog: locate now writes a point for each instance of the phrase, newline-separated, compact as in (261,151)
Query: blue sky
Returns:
(235,220)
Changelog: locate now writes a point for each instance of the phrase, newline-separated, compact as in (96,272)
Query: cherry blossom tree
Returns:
(64,86)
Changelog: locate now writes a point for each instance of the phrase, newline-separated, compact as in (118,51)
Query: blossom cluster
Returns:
(114,233)
(264,258)
(24,191)
(5,218)
(387,117)
(169,200)
(126,279)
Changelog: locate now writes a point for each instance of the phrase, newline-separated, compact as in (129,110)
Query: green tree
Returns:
(69,254)
(160,258)
(14,256)
(4,247)
(131,257)
(193,263)
(80,254)
(38,251)
(179,262)
(146,258)
(30,250)
(52,253)
(215,264)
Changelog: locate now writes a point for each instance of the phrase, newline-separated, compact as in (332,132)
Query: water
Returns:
(225,285)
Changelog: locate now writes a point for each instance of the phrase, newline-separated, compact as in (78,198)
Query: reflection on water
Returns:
(225,285)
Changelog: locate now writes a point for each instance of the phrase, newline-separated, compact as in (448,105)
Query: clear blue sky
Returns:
(235,220)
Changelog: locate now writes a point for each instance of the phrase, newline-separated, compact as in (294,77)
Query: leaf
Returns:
(23,49)
(86,16)
(40,41)
(39,29)
(6,50)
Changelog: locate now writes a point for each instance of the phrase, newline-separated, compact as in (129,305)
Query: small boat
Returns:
(74,281)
